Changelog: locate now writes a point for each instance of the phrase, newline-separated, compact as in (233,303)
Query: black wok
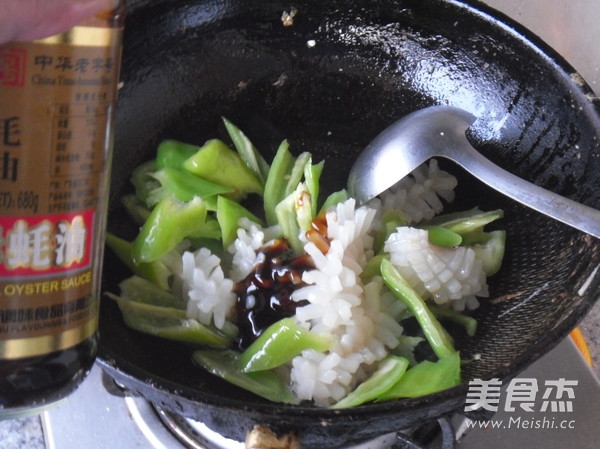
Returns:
(329,82)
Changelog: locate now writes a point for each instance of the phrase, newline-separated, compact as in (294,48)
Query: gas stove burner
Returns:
(196,435)
(193,434)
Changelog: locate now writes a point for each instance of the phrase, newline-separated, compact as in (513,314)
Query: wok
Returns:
(329,82)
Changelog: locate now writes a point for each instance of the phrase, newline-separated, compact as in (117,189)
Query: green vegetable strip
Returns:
(168,224)
(277,181)
(279,343)
(335,198)
(466,222)
(138,289)
(247,151)
(266,384)
(492,251)
(185,186)
(406,347)
(426,378)
(229,214)
(143,181)
(303,203)
(135,208)
(219,164)
(390,371)
(295,176)
(312,175)
(391,220)
(436,335)
(168,323)
(440,236)
(372,269)
(210,229)
(469,323)
(172,153)
(155,272)
(288,220)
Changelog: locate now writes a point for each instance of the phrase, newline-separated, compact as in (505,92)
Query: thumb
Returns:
(25,20)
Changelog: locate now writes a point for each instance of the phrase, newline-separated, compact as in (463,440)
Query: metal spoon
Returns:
(439,131)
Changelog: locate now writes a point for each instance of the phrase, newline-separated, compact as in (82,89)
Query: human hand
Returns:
(24,20)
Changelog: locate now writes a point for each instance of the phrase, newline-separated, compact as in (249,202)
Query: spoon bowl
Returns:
(439,131)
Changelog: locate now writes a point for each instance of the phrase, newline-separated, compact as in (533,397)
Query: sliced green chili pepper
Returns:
(266,384)
(168,323)
(489,246)
(276,181)
(149,309)
(210,229)
(168,224)
(287,217)
(335,198)
(297,172)
(136,209)
(406,347)
(389,372)
(440,236)
(390,221)
(247,151)
(312,175)
(279,343)
(303,201)
(228,215)
(219,164)
(142,179)
(373,268)
(469,323)
(140,290)
(156,271)
(436,335)
(185,186)
(173,153)
(426,378)
(491,252)
(467,222)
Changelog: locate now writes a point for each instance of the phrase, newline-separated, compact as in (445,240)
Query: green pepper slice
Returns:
(185,186)
(219,164)
(426,378)
(168,323)
(156,271)
(142,179)
(266,384)
(436,335)
(279,343)
(388,373)
(276,181)
(173,153)
(229,214)
(247,151)
(168,224)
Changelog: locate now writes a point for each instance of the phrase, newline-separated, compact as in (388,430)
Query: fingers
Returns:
(25,20)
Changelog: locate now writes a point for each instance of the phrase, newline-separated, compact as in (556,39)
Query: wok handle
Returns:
(567,211)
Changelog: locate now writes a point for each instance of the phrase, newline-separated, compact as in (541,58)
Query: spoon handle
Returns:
(570,212)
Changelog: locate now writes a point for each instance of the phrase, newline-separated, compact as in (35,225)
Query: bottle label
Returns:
(56,101)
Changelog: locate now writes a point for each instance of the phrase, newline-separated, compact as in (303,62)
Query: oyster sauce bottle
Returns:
(57,101)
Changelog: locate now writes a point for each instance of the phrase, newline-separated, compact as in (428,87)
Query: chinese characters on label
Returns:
(9,137)
(522,394)
(49,244)
(67,63)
